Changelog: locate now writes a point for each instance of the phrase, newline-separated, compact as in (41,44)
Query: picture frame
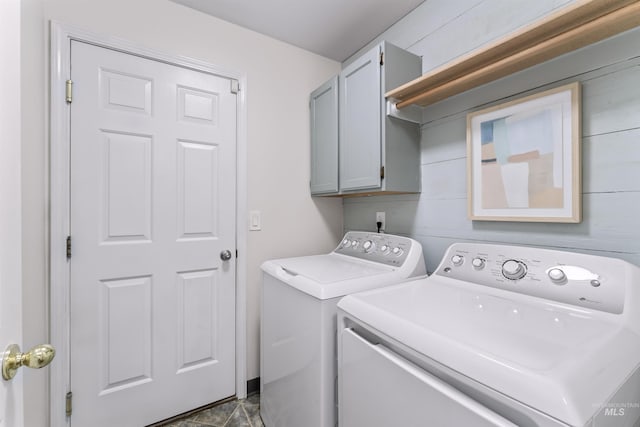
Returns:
(524,159)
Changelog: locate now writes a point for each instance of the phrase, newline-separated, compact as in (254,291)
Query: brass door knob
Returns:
(36,358)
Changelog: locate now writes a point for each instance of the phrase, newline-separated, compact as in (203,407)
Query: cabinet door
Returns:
(324,138)
(360,123)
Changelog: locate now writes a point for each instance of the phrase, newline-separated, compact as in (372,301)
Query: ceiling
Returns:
(335,29)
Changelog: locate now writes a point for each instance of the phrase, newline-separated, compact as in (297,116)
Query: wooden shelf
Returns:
(575,26)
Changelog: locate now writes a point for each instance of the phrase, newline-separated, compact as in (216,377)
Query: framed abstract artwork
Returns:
(524,159)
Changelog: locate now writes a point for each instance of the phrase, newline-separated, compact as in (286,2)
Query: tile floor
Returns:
(237,413)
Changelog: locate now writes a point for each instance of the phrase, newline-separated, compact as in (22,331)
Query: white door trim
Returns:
(61,36)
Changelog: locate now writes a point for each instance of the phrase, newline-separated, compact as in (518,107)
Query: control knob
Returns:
(369,246)
(514,270)
(384,249)
(346,243)
(457,260)
(397,251)
(478,263)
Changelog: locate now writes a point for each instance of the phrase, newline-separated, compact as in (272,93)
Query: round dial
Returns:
(513,269)
(384,249)
(346,242)
(354,244)
(457,260)
(397,251)
(478,263)
(369,246)
(557,276)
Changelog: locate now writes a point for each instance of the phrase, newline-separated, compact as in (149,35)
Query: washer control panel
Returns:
(584,280)
(378,247)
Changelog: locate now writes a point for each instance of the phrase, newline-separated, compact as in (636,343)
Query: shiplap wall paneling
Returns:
(401,213)
(440,30)
(584,63)
(481,24)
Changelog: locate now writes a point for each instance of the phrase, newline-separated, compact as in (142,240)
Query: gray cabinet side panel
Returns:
(402,158)
(401,140)
(400,67)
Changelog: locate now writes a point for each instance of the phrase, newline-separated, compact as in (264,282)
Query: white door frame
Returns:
(11,325)
(59,196)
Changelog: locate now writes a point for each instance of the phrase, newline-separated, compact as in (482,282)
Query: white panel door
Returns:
(11,412)
(153,155)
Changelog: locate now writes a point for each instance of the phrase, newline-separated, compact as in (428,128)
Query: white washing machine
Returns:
(298,329)
(497,336)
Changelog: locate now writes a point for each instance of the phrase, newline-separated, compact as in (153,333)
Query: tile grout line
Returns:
(246,415)
(226,423)
(243,413)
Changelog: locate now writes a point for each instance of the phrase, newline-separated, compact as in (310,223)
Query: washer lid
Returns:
(331,268)
(331,275)
(561,360)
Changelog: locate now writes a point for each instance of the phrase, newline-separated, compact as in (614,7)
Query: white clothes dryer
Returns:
(497,336)
(298,329)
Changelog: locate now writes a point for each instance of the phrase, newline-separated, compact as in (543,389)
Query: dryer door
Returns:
(377,388)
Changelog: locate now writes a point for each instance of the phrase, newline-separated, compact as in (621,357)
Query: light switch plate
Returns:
(255,222)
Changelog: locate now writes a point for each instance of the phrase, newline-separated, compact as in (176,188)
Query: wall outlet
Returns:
(381,217)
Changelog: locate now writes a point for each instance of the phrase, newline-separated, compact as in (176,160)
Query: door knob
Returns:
(36,358)
(225,255)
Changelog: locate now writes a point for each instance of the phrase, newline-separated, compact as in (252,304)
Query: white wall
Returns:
(280,78)
(440,30)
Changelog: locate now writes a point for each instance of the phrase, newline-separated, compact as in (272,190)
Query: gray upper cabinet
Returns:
(376,154)
(324,138)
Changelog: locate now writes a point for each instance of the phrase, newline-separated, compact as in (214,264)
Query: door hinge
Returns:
(69,92)
(381,58)
(68,247)
(68,405)
(381,172)
(236,253)
(235,86)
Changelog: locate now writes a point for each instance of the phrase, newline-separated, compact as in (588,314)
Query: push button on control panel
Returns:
(557,276)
